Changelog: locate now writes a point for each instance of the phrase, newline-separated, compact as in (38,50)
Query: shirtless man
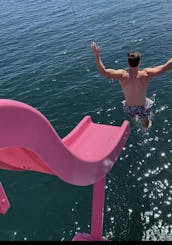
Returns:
(134,84)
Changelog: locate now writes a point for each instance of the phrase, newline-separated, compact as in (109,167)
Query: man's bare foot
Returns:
(146,125)
(150,124)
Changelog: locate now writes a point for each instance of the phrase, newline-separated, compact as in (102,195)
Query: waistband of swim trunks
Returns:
(147,101)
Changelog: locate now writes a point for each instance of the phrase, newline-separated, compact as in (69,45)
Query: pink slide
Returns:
(4,203)
(29,142)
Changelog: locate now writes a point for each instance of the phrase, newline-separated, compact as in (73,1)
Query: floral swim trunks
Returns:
(142,111)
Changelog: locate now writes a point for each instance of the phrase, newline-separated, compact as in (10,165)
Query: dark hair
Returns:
(134,58)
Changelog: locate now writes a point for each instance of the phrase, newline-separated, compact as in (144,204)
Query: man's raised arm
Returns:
(158,70)
(110,73)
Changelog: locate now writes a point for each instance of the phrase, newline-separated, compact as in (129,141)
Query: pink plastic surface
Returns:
(4,203)
(98,209)
(86,237)
(29,142)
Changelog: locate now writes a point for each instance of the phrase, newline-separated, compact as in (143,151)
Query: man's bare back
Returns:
(134,83)
(134,86)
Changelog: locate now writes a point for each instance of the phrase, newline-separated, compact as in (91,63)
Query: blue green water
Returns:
(46,61)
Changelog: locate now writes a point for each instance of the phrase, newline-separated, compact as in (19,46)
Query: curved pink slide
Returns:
(29,142)
(84,157)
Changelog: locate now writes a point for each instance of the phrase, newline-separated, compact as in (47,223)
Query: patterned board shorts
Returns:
(142,111)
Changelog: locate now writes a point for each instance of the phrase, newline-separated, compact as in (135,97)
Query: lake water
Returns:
(46,61)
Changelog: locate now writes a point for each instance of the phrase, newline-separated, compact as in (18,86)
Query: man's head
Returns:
(134,58)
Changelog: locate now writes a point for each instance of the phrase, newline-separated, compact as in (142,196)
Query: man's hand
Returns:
(95,48)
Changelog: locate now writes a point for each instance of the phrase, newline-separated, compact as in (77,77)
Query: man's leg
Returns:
(147,123)
(136,118)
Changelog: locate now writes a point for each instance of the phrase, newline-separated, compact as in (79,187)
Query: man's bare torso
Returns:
(134,85)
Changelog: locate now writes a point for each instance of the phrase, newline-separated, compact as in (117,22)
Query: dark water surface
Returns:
(46,61)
